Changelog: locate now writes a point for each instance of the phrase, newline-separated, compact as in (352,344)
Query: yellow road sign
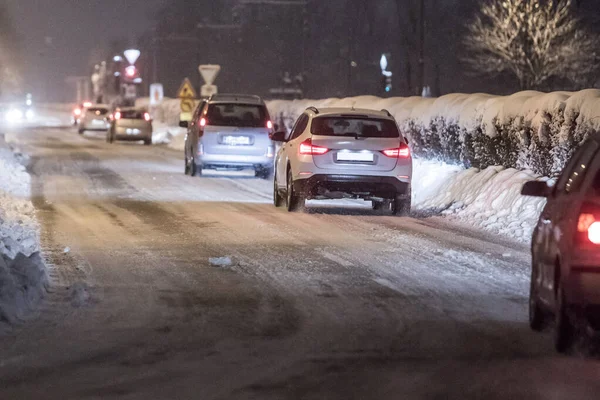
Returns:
(187,105)
(186,91)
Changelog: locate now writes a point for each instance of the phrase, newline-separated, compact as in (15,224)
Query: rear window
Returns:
(242,115)
(133,114)
(98,110)
(354,127)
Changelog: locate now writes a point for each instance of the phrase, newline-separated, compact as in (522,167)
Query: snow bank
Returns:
(166,122)
(23,276)
(527,130)
(489,199)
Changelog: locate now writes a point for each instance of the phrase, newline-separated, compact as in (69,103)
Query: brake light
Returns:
(117,115)
(203,122)
(269,125)
(307,148)
(147,116)
(87,104)
(77,111)
(594,233)
(588,224)
(401,152)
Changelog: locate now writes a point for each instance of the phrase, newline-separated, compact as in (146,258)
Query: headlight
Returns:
(14,115)
(29,114)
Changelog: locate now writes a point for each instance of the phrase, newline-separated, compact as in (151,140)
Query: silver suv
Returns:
(230,132)
(335,153)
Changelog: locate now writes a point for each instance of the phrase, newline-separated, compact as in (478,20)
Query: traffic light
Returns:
(130,72)
(386,83)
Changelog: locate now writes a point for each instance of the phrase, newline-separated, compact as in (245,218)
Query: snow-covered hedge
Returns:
(527,130)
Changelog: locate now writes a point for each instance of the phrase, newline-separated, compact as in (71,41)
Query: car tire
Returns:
(277,199)
(263,173)
(148,142)
(537,317)
(293,201)
(187,165)
(564,332)
(195,170)
(401,206)
(81,131)
(378,205)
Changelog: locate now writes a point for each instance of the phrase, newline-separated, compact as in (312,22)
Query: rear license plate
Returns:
(355,156)
(236,140)
(98,122)
(133,131)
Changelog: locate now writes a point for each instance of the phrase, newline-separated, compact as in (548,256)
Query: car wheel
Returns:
(293,201)
(564,332)
(147,142)
(277,199)
(401,206)
(187,165)
(81,131)
(378,205)
(195,170)
(537,318)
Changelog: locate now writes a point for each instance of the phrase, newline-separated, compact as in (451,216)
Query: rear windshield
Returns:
(133,114)
(242,115)
(354,127)
(98,110)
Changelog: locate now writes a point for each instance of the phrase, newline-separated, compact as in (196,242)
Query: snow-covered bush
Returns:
(527,130)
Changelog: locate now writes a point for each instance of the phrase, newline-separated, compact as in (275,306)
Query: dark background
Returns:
(254,41)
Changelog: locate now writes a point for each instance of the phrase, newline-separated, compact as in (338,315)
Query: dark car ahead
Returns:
(565,278)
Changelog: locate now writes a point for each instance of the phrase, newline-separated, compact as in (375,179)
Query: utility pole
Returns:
(421,70)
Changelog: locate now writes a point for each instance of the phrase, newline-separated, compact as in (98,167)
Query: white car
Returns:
(95,118)
(335,153)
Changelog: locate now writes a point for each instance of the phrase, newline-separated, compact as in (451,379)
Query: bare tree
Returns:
(538,41)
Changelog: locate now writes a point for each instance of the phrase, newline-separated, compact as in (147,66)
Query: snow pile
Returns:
(527,130)
(165,124)
(23,276)
(489,198)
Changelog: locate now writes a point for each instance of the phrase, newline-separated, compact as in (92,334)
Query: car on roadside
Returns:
(565,250)
(229,132)
(130,124)
(336,153)
(95,118)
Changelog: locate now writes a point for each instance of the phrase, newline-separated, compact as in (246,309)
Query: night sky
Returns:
(57,36)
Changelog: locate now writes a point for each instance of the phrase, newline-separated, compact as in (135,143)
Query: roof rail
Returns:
(387,112)
(313,109)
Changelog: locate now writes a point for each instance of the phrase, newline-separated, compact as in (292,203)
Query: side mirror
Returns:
(184,124)
(278,136)
(536,189)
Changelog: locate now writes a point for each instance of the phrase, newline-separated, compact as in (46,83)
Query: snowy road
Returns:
(335,303)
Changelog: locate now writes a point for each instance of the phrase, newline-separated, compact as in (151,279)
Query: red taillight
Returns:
(401,152)
(147,116)
(203,122)
(77,111)
(117,115)
(588,224)
(307,148)
(269,125)
(594,233)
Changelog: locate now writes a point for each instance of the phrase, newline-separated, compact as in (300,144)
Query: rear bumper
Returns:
(121,134)
(360,186)
(583,285)
(233,161)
